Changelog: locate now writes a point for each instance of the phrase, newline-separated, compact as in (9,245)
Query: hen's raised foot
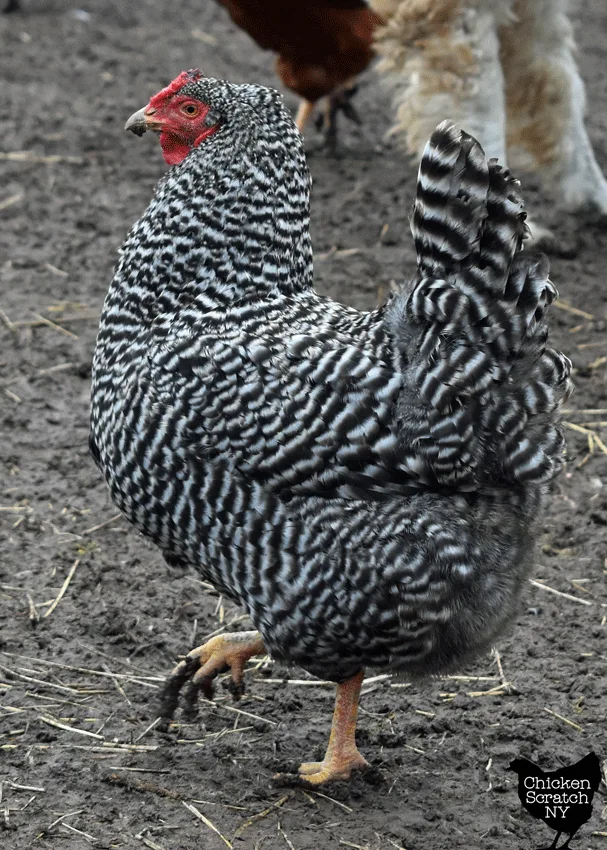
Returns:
(197,671)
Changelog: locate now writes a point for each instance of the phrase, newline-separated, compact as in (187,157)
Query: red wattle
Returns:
(174,150)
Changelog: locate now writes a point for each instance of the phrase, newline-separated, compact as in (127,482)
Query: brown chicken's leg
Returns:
(304,111)
(339,101)
(342,756)
(200,666)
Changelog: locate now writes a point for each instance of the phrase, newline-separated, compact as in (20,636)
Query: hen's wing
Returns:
(299,413)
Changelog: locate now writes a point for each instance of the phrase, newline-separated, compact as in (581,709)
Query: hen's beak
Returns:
(139,122)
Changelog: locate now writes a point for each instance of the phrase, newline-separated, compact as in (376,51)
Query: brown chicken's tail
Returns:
(483,390)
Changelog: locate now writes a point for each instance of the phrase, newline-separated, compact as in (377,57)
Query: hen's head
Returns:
(194,107)
(181,117)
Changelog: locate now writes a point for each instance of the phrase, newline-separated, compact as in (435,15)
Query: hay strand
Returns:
(191,808)
(64,587)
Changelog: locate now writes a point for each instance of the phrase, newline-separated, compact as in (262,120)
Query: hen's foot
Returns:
(199,668)
(586,194)
(342,756)
(319,772)
(339,101)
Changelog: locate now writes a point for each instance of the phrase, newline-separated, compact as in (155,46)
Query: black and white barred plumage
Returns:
(366,485)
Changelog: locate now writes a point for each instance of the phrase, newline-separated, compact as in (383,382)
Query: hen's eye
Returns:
(189,109)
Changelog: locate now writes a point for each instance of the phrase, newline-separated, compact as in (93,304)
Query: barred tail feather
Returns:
(482,389)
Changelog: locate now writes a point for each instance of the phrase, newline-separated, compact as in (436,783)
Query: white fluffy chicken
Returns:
(505,70)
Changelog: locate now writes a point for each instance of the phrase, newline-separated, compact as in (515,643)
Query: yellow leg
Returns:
(304,111)
(342,756)
(200,667)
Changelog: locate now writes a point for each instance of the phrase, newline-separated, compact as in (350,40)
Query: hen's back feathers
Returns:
(481,388)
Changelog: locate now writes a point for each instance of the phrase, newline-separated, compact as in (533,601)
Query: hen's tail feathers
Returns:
(483,391)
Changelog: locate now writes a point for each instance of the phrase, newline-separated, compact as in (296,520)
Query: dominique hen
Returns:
(366,485)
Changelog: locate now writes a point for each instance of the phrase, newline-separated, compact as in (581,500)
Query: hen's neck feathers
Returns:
(228,225)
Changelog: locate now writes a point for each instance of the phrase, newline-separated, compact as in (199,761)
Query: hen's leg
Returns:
(566,845)
(200,667)
(452,69)
(342,756)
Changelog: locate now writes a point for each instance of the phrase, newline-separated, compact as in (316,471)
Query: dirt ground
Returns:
(79,766)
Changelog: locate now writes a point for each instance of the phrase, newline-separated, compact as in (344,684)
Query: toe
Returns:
(330,773)
(319,772)
(196,673)
(325,771)
(309,767)
(236,688)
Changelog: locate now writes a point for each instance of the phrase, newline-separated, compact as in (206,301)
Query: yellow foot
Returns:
(319,772)
(342,756)
(200,667)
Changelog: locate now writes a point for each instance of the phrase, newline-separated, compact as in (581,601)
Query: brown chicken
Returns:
(321,46)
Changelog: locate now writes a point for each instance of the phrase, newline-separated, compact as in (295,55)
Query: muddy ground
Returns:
(79,678)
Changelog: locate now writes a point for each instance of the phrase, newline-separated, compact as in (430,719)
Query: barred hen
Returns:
(366,485)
